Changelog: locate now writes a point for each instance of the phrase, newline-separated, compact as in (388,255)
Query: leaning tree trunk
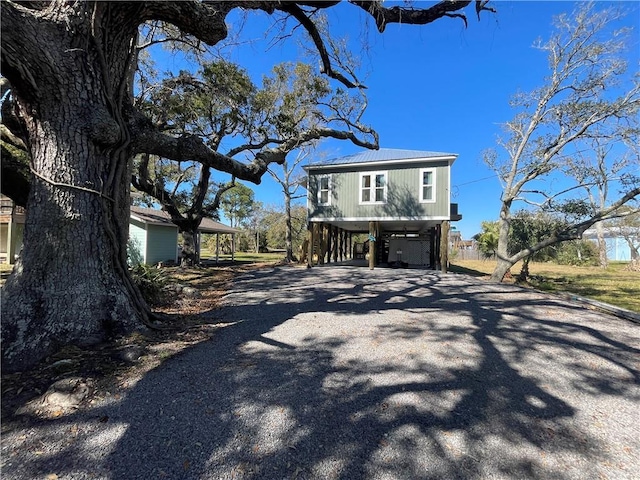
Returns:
(503,263)
(70,284)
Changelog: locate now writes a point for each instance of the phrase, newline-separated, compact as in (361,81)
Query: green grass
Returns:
(614,285)
(244,257)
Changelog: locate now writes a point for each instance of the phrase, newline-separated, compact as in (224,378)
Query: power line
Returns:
(476,181)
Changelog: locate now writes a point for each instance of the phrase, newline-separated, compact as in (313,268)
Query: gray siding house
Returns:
(400,198)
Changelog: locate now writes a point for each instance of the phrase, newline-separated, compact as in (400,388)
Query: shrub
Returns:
(578,253)
(150,281)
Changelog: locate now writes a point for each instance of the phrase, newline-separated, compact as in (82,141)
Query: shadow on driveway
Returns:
(344,373)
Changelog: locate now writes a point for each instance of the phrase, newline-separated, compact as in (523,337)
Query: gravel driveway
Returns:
(345,373)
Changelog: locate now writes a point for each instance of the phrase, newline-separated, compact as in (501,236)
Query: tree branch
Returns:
(148,139)
(204,21)
(212,209)
(299,14)
(383,16)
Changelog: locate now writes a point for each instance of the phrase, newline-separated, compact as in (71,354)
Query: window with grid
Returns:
(373,187)
(324,190)
(427,185)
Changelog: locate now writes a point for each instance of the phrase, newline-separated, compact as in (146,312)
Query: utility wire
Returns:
(476,181)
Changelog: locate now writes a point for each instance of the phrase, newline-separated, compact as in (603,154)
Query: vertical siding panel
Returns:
(161,243)
(403,193)
(138,236)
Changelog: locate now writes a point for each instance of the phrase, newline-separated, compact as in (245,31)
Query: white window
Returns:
(373,187)
(428,185)
(324,190)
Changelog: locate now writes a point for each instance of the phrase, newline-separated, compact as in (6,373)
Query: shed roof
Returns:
(153,216)
(383,155)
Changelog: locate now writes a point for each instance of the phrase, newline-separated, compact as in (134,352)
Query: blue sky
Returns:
(438,87)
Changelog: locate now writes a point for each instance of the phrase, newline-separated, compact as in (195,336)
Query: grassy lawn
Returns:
(615,285)
(243,257)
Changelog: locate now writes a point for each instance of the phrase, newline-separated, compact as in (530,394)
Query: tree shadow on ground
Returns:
(350,374)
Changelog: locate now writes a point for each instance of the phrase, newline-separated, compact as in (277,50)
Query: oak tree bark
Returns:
(70,285)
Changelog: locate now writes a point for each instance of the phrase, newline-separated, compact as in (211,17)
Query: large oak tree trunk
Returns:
(71,283)
(190,246)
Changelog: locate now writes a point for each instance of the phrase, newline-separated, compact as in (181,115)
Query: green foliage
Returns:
(292,98)
(237,204)
(209,243)
(488,238)
(578,253)
(150,281)
(243,242)
(134,252)
(528,228)
(275,221)
(573,210)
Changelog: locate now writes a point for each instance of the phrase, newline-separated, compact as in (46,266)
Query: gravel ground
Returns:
(345,373)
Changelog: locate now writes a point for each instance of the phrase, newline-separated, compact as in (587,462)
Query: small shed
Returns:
(153,238)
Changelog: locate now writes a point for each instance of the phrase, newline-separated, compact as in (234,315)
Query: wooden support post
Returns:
(345,250)
(11,241)
(329,242)
(372,245)
(436,242)
(336,243)
(444,246)
(311,239)
(350,246)
(322,245)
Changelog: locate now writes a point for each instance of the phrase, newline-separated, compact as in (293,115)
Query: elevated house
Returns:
(401,200)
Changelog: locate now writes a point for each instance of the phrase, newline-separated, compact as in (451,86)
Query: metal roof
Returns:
(382,155)
(159,217)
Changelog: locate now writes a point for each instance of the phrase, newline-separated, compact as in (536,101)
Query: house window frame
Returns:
(432,185)
(328,190)
(372,188)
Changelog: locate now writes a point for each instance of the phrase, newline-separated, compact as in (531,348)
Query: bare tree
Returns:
(290,180)
(70,66)
(586,88)
(606,159)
